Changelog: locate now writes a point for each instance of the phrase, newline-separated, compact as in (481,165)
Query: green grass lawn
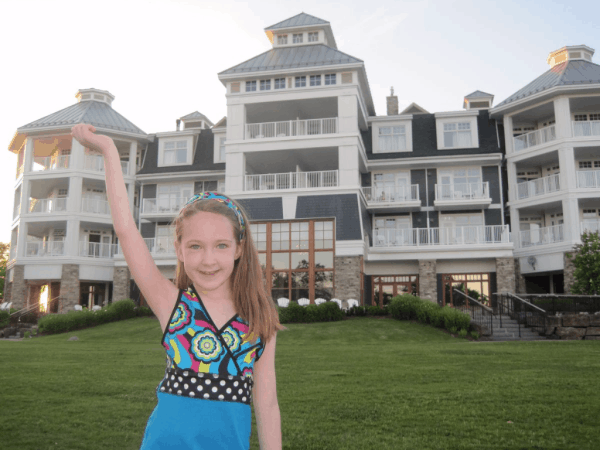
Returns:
(362,383)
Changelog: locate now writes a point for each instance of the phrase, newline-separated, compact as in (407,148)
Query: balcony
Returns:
(95,206)
(161,246)
(48,248)
(291,128)
(535,138)
(542,236)
(541,186)
(417,237)
(48,205)
(589,179)
(401,198)
(96,164)
(97,249)
(51,163)
(462,195)
(586,128)
(590,225)
(291,181)
(168,206)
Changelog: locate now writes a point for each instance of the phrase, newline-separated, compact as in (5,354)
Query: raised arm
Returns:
(159,292)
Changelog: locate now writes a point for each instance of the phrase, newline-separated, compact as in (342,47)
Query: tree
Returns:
(4,255)
(586,259)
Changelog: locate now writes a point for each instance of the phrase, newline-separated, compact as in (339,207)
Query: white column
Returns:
(75,194)
(132,157)
(72,238)
(568,175)
(515,226)
(348,163)
(235,171)
(77,155)
(562,115)
(511,169)
(28,157)
(508,135)
(236,122)
(348,114)
(22,238)
(25,200)
(571,225)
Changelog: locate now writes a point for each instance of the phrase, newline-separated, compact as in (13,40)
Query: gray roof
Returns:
(292,58)
(570,73)
(478,94)
(92,112)
(191,117)
(299,20)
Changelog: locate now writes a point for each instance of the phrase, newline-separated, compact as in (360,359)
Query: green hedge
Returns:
(4,318)
(75,320)
(325,312)
(409,307)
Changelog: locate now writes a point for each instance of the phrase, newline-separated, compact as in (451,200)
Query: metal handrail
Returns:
(483,310)
(517,314)
(31,308)
(487,308)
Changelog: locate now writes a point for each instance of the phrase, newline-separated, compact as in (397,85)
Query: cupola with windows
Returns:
(570,53)
(478,100)
(92,94)
(302,29)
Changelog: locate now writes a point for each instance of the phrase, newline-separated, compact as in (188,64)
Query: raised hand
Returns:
(84,133)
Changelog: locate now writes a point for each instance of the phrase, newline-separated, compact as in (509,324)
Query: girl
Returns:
(219,324)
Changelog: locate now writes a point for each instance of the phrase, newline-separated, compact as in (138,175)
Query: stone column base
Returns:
(505,275)
(121,283)
(428,280)
(348,273)
(69,287)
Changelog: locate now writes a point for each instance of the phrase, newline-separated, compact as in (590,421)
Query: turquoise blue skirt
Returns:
(185,423)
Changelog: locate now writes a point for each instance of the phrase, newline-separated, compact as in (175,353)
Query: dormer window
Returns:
(265,85)
(301,81)
(298,38)
(279,83)
(329,79)
(250,86)
(457,135)
(392,139)
(315,80)
(175,152)
(313,36)
(282,39)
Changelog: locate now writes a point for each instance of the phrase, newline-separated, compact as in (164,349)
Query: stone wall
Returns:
(520,287)
(569,274)
(574,326)
(69,287)
(18,289)
(348,275)
(428,280)
(121,283)
(505,275)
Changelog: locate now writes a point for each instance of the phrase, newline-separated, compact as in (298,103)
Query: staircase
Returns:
(510,331)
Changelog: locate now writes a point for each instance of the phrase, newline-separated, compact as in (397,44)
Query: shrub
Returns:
(453,330)
(293,313)
(425,311)
(312,313)
(142,311)
(123,309)
(404,307)
(27,334)
(331,311)
(462,333)
(357,311)
(475,334)
(4,319)
(453,318)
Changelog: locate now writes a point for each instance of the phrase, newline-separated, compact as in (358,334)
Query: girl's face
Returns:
(209,250)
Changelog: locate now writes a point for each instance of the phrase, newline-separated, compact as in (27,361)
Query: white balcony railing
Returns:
(292,180)
(156,246)
(97,249)
(50,163)
(534,138)
(163,205)
(588,178)
(462,191)
(540,186)
(542,236)
(469,235)
(395,194)
(48,248)
(95,206)
(96,163)
(291,128)
(48,205)
(592,225)
(587,128)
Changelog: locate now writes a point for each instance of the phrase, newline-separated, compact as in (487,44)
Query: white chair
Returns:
(303,301)
(352,302)
(319,301)
(9,306)
(77,308)
(3,306)
(338,301)
(283,302)
(96,308)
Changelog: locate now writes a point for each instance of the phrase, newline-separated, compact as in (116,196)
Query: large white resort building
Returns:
(343,202)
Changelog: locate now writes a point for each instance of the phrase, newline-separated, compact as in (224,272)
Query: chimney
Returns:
(178,121)
(392,104)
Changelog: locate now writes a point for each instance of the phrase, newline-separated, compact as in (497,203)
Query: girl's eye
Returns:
(194,245)
(223,246)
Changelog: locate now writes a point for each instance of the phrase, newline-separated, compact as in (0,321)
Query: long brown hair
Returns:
(250,297)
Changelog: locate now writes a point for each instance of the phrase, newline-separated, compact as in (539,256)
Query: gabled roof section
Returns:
(221,123)
(570,73)
(292,58)
(413,108)
(95,113)
(478,94)
(300,20)
(195,116)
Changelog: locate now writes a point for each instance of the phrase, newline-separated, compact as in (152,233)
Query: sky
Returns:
(160,58)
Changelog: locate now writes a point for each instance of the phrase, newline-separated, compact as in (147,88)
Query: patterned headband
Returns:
(222,199)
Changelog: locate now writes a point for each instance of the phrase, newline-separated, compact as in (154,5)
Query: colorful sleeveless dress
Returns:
(204,398)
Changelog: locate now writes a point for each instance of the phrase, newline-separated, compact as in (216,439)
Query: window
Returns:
(279,83)
(250,86)
(391,187)
(475,285)
(298,38)
(457,135)
(315,80)
(170,198)
(393,231)
(329,78)
(580,117)
(459,184)
(235,87)
(297,258)
(282,39)
(175,152)
(386,287)
(392,139)
(585,164)
(265,85)
(222,149)
(163,243)
(301,81)
(313,36)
